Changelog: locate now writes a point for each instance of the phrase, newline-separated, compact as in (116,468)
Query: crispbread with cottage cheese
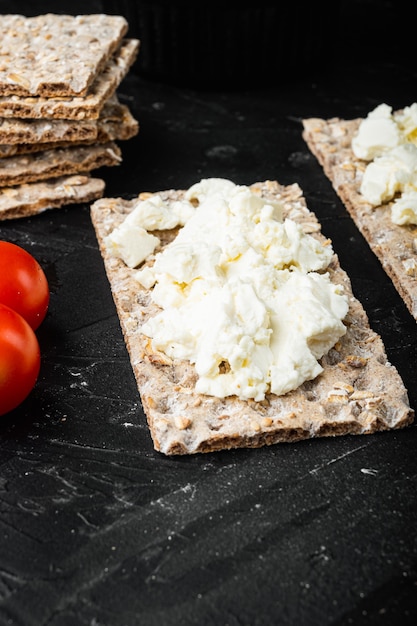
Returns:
(31,168)
(76,107)
(330,141)
(33,198)
(358,392)
(54,55)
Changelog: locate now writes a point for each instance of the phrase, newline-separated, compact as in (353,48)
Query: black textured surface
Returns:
(98,529)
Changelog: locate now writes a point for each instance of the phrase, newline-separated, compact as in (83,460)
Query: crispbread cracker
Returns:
(359,391)
(76,108)
(116,122)
(330,141)
(57,162)
(33,198)
(28,131)
(17,131)
(55,55)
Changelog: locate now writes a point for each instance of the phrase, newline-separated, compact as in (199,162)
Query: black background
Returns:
(98,529)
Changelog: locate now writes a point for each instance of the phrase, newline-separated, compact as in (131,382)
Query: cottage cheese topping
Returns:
(404,209)
(390,174)
(377,133)
(156,214)
(389,142)
(241,295)
(131,242)
(407,122)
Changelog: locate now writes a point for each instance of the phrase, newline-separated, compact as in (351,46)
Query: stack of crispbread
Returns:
(60,117)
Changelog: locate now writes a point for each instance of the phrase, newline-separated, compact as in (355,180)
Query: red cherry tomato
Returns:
(20,359)
(23,284)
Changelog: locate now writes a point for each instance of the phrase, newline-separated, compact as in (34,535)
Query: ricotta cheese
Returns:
(244,295)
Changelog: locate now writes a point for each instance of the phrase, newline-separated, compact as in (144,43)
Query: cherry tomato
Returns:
(20,359)
(23,284)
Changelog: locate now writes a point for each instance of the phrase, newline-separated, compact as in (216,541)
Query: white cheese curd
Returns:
(182,268)
(285,245)
(389,174)
(131,243)
(404,209)
(240,295)
(406,121)
(156,214)
(377,133)
(210,187)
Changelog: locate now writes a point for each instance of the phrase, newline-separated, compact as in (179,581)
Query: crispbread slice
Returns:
(33,198)
(49,131)
(16,131)
(76,108)
(359,391)
(116,122)
(330,141)
(55,55)
(57,162)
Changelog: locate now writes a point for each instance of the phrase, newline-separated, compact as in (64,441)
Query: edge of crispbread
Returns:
(18,170)
(330,142)
(14,131)
(359,391)
(116,123)
(33,198)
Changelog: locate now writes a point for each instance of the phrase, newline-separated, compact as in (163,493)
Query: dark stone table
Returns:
(98,529)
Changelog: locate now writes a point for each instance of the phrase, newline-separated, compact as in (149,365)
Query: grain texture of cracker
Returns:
(54,55)
(395,246)
(33,198)
(76,107)
(57,162)
(359,391)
